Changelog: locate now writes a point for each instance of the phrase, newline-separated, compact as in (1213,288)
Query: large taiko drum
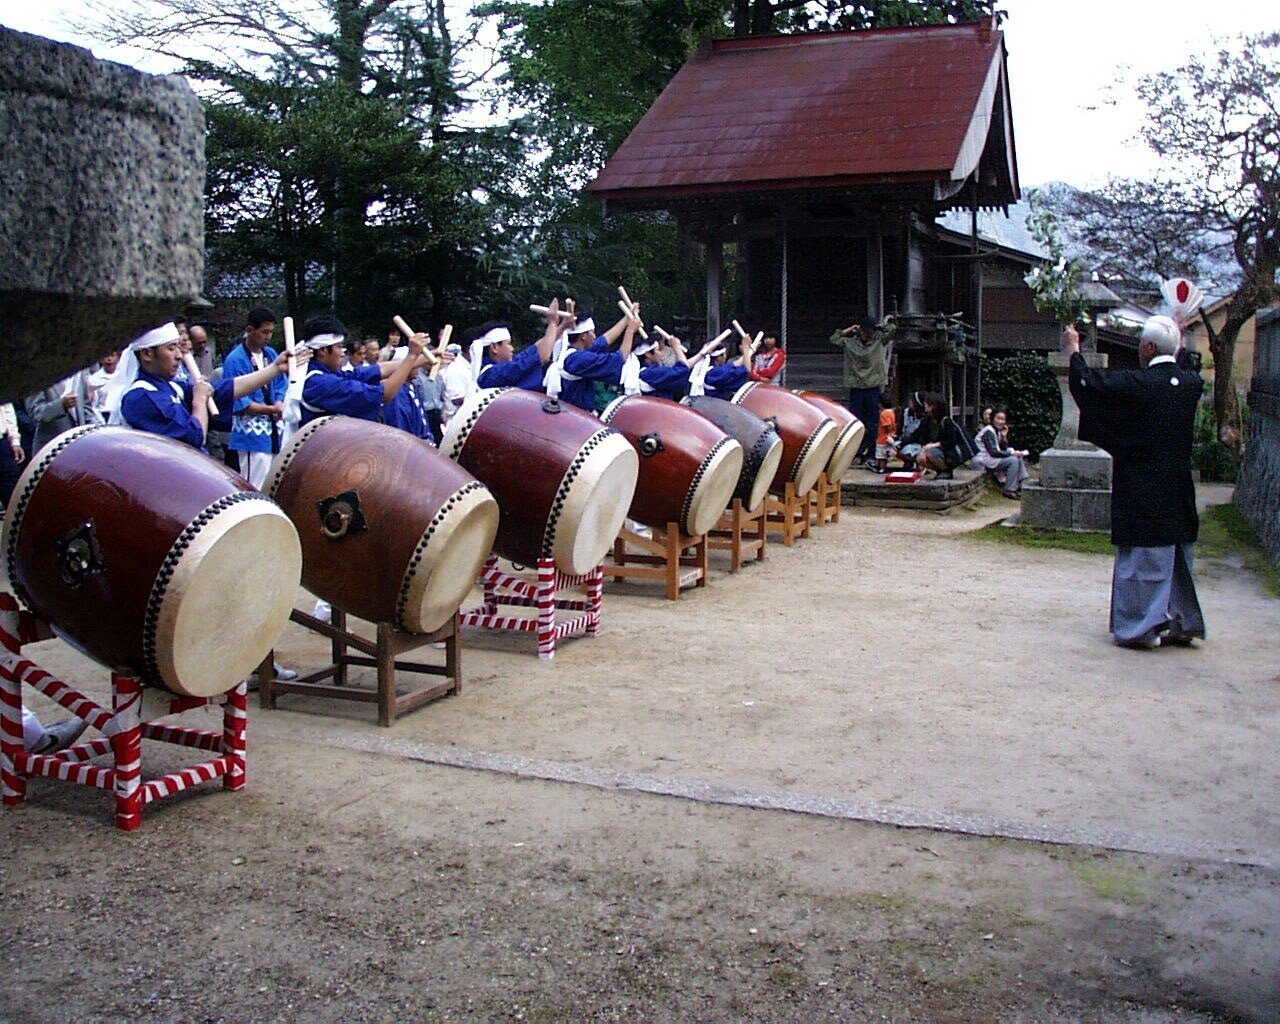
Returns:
(761,445)
(689,467)
(152,558)
(808,434)
(848,441)
(562,479)
(391,530)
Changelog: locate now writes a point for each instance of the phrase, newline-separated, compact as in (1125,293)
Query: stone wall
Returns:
(1258,491)
(101,206)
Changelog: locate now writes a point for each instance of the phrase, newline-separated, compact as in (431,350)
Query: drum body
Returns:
(689,467)
(851,432)
(761,445)
(808,434)
(391,530)
(563,481)
(152,558)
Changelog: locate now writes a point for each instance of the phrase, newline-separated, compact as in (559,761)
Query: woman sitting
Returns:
(937,443)
(994,455)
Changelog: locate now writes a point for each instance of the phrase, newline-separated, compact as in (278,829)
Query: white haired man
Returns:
(1144,418)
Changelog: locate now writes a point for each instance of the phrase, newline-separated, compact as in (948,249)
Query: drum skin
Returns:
(152,558)
(848,441)
(761,445)
(808,434)
(563,481)
(689,467)
(420,530)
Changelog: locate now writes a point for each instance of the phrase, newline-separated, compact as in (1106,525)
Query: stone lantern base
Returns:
(1074,489)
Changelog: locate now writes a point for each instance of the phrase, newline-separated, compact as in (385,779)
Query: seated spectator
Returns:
(937,443)
(769,361)
(985,415)
(996,457)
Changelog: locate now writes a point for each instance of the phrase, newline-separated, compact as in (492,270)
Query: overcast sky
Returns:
(1070,122)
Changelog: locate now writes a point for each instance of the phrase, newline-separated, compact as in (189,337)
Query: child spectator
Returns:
(886,434)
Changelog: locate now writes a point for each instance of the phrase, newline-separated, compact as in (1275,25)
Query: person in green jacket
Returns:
(866,371)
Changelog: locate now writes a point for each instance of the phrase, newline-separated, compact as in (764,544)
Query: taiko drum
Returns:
(689,467)
(391,530)
(761,445)
(152,558)
(563,480)
(849,439)
(808,434)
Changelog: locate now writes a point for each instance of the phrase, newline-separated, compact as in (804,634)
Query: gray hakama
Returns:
(1152,593)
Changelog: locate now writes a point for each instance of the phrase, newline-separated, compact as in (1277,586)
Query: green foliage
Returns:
(1225,533)
(1217,463)
(1087,542)
(1028,389)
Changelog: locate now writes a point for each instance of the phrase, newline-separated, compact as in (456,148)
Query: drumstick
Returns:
(446,332)
(544,310)
(408,332)
(290,346)
(714,343)
(738,327)
(662,333)
(631,313)
(189,361)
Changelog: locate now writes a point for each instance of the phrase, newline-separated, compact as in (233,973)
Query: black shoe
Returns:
(945,474)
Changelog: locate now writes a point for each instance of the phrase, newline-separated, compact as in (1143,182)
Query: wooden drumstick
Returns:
(189,361)
(714,343)
(632,313)
(544,310)
(738,327)
(756,343)
(408,333)
(446,332)
(291,346)
(663,334)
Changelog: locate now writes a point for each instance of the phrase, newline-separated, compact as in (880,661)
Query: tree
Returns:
(1215,124)
(335,145)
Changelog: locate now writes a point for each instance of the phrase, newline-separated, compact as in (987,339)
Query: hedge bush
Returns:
(1027,387)
(1217,463)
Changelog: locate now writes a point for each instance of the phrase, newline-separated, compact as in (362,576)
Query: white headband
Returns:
(324,341)
(159,336)
(582,326)
(644,347)
(496,336)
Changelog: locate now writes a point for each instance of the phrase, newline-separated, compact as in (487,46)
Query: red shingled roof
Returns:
(819,110)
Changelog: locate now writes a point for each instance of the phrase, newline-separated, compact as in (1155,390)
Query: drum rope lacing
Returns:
(170,565)
(407,582)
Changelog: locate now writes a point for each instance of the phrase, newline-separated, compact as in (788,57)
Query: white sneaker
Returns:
(59,736)
(322,611)
(284,674)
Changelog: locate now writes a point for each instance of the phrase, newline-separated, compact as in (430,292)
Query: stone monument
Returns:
(101,206)
(1074,489)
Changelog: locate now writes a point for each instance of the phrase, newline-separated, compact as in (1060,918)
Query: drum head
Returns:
(448,559)
(765,474)
(717,480)
(817,453)
(847,445)
(226,597)
(593,500)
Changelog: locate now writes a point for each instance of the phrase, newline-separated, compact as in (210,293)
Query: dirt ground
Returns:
(717,849)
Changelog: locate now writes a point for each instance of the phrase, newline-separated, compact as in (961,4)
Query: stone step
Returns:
(862,487)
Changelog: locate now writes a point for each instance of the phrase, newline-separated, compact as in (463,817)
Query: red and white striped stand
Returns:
(122,731)
(504,590)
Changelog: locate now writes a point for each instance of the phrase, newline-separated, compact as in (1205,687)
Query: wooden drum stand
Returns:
(741,533)
(669,556)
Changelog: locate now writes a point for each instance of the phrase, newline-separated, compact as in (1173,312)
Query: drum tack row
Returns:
(136,550)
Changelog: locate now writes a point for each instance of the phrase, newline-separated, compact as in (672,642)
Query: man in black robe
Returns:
(1144,418)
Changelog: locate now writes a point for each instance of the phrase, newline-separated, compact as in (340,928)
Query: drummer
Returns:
(663,380)
(582,357)
(146,395)
(725,377)
(361,391)
(496,364)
